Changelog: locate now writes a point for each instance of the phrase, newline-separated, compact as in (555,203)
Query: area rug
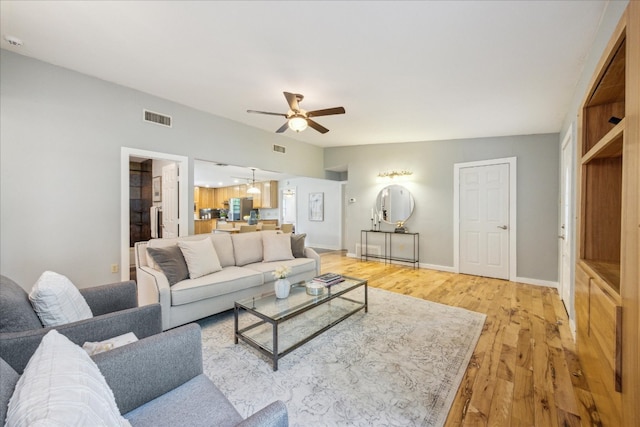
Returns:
(398,365)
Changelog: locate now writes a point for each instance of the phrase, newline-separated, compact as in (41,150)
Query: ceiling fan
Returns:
(297,118)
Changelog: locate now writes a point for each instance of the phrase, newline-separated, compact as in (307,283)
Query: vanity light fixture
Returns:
(253,189)
(393,174)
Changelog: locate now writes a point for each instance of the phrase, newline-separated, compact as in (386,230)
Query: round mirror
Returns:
(394,203)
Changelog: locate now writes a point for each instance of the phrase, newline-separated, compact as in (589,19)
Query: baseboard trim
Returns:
(447,269)
(537,282)
(420,265)
(331,248)
(436,267)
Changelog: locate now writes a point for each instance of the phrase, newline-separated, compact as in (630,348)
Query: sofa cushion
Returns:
(200,404)
(297,245)
(297,265)
(16,312)
(247,248)
(61,385)
(230,279)
(276,247)
(171,262)
(57,301)
(224,248)
(200,256)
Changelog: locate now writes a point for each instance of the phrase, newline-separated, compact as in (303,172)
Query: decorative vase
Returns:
(282,286)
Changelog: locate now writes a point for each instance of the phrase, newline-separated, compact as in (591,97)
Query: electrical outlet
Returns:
(114,268)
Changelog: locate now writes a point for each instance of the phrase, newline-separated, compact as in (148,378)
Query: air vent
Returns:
(157,118)
(279,148)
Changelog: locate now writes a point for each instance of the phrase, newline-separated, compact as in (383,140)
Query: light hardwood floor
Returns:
(524,370)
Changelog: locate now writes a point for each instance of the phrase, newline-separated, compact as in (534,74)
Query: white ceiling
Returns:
(213,174)
(403,70)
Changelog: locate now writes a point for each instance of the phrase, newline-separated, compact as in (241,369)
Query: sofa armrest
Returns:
(112,297)
(144,370)
(153,287)
(310,253)
(16,348)
(273,415)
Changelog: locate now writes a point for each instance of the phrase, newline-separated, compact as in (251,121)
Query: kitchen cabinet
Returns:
(204,226)
(268,195)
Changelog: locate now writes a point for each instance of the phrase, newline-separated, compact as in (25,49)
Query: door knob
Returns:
(504,227)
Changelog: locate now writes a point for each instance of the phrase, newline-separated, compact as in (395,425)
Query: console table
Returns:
(387,253)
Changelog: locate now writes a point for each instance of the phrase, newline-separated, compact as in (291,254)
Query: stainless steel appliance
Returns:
(239,208)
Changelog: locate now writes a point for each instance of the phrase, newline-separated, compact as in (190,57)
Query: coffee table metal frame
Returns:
(330,294)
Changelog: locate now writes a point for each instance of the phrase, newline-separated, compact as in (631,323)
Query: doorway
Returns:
(289,206)
(182,225)
(485,218)
(565,234)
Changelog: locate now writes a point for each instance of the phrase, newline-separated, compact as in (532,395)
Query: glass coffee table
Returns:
(276,327)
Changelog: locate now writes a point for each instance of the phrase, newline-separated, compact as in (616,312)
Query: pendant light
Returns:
(253,189)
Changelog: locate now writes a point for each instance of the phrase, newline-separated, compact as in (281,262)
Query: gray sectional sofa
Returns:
(247,263)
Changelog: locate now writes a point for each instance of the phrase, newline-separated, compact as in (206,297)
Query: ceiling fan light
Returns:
(298,123)
(253,190)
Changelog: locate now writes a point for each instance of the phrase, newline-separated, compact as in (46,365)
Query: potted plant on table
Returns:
(282,285)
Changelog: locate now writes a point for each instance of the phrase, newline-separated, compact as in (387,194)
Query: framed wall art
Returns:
(316,206)
(157,189)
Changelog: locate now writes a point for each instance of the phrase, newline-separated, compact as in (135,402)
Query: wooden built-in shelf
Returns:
(609,146)
(609,272)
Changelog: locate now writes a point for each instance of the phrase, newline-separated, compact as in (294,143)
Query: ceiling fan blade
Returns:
(292,100)
(282,128)
(266,112)
(317,126)
(326,112)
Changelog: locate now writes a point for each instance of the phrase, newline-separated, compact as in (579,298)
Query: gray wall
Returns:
(324,234)
(432,186)
(61,136)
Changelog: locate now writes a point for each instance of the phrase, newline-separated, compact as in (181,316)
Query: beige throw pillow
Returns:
(276,247)
(200,256)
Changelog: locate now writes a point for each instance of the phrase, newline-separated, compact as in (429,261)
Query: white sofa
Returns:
(244,273)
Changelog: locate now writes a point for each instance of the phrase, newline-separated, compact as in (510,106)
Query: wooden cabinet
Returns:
(607,280)
(269,195)
(204,226)
(267,199)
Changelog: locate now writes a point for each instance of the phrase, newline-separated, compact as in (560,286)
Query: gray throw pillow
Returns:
(297,245)
(171,262)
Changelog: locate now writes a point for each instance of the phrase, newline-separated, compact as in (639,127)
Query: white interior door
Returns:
(566,223)
(289,212)
(170,205)
(484,220)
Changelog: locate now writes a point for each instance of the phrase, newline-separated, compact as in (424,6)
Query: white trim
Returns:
(330,248)
(537,282)
(183,186)
(572,327)
(567,141)
(444,268)
(436,267)
(513,232)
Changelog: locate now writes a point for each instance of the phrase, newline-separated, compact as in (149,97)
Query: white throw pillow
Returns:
(57,301)
(276,247)
(201,257)
(62,386)
(247,248)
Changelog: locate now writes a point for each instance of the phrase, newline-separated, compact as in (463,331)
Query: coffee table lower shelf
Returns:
(283,325)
